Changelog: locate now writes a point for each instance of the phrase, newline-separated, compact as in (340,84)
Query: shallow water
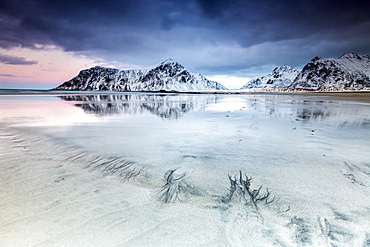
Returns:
(138,169)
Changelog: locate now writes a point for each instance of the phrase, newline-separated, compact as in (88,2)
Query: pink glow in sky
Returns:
(48,66)
(52,66)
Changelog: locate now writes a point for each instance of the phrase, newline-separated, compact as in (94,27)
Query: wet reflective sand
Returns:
(131,169)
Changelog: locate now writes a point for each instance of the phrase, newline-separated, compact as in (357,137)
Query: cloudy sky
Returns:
(46,42)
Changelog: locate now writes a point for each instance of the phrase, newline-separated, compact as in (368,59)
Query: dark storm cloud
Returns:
(207,32)
(13,60)
(262,21)
(76,25)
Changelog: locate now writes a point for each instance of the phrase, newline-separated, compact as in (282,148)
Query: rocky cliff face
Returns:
(165,76)
(349,71)
(281,77)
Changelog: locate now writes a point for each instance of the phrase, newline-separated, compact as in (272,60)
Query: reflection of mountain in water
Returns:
(174,106)
(337,113)
(313,114)
(162,105)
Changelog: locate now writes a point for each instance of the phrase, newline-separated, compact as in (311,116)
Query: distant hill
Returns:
(165,76)
(281,77)
(349,71)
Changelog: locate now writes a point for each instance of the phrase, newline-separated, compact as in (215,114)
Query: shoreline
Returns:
(362,95)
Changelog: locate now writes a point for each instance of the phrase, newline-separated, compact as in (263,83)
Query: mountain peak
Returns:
(280,77)
(284,69)
(168,61)
(315,59)
(351,56)
(168,64)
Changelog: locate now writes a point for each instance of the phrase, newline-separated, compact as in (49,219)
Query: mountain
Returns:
(165,76)
(281,77)
(349,71)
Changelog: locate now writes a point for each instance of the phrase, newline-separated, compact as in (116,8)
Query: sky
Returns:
(46,42)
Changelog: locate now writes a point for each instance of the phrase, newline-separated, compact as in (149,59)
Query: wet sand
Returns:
(93,170)
(348,96)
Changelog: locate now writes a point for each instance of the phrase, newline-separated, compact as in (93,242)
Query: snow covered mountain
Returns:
(281,77)
(349,71)
(165,76)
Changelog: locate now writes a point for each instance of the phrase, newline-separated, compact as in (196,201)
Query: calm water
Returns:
(131,169)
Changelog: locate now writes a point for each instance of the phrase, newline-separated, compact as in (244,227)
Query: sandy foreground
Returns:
(48,200)
(59,194)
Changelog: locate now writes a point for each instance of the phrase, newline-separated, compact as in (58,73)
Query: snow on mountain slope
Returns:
(281,77)
(165,76)
(349,71)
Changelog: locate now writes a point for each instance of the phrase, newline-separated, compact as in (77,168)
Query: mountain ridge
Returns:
(350,70)
(280,77)
(168,75)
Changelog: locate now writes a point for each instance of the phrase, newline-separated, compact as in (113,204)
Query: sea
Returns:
(178,169)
